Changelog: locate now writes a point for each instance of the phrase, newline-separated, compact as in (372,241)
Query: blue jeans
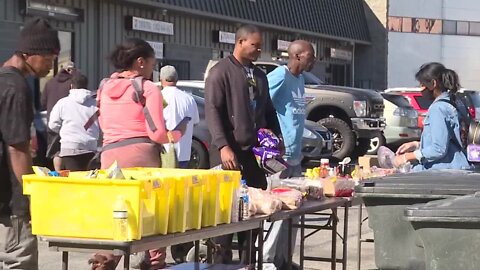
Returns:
(275,248)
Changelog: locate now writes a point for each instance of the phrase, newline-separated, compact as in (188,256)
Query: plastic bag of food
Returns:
(262,202)
(297,183)
(314,189)
(291,198)
(344,187)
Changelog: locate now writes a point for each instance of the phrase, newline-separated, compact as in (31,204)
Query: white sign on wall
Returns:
(226,37)
(157,48)
(340,54)
(153,26)
(282,45)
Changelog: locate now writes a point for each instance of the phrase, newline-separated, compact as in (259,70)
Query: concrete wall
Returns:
(371,60)
(462,53)
(407,51)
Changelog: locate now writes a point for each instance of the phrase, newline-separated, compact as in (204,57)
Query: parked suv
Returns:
(353,116)
(402,120)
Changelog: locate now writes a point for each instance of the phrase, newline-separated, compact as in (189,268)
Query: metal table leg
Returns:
(359,237)
(260,247)
(126,261)
(197,251)
(290,240)
(248,248)
(345,238)
(334,239)
(302,240)
(64,260)
(209,252)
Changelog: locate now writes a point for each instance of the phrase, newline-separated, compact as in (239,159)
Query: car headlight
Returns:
(308,134)
(360,108)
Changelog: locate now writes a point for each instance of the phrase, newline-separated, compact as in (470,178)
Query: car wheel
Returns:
(180,252)
(199,156)
(343,138)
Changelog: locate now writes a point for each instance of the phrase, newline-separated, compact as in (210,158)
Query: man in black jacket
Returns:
(237,105)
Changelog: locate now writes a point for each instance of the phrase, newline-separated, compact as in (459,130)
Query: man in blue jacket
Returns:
(287,91)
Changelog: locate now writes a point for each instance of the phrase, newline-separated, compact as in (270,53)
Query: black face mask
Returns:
(427,94)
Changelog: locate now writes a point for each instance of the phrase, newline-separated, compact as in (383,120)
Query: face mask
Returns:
(427,94)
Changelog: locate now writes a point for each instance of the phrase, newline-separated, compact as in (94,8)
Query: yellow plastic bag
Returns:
(169,156)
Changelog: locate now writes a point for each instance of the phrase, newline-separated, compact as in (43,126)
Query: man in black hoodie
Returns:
(55,89)
(237,105)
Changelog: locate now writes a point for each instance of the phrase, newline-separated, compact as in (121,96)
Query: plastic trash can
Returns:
(396,244)
(450,232)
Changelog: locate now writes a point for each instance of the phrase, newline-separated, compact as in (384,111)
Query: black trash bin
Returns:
(450,232)
(396,244)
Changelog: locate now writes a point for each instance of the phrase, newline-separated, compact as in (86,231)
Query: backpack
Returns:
(469,127)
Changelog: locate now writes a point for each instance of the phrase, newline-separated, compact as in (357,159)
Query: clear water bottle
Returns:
(243,200)
(120,220)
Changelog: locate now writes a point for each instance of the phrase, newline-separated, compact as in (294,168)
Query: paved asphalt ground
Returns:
(318,244)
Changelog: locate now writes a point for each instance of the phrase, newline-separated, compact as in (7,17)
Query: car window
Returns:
(266,67)
(398,100)
(311,79)
(475,96)
(199,92)
(423,103)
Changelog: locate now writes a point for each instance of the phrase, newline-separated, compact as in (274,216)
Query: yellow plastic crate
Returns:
(77,207)
(211,195)
(229,185)
(186,203)
(219,187)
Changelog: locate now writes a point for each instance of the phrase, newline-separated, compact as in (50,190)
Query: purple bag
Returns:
(267,153)
(267,139)
(473,152)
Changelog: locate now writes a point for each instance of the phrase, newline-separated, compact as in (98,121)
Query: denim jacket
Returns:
(440,142)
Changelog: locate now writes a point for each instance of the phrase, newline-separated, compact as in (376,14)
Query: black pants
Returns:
(251,172)
(78,162)
(255,177)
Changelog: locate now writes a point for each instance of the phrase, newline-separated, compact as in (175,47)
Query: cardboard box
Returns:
(367,162)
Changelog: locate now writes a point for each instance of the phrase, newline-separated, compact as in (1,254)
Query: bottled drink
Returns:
(120,220)
(243,200)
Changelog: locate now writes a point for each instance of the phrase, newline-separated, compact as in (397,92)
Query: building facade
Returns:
(408,33)
(187,34)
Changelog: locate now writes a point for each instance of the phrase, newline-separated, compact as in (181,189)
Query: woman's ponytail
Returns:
(450,81)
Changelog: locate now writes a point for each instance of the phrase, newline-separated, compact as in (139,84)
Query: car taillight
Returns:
(472,112)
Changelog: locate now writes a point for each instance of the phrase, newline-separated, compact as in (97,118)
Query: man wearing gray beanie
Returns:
(37,48)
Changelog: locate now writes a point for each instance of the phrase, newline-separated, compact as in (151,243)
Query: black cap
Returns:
(38,37)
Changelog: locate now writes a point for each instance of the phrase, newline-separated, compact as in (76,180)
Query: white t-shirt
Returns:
(180,105)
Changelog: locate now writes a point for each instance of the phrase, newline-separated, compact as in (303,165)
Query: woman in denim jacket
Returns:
(440,144)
